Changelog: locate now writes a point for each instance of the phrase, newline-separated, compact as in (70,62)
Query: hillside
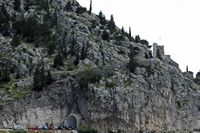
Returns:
(57,58)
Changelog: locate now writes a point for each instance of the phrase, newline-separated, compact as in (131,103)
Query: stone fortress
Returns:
(158,49)
(159,52)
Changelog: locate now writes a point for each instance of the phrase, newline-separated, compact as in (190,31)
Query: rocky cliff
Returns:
(57,58)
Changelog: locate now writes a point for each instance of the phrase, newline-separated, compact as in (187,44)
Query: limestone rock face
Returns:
(99,86)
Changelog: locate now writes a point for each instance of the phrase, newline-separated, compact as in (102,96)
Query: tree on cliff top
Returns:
(90,10)
(111,24)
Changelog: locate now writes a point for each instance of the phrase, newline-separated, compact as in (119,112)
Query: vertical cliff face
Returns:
(109,79)
(155,97)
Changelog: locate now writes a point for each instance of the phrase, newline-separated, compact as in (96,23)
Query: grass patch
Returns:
(90,75)
(71,67)
(11,90)
(17,94)
(111,83)
(17,131)
(89,66)
(98,85)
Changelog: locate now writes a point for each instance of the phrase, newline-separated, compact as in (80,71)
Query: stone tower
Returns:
(157,49)
(155,45)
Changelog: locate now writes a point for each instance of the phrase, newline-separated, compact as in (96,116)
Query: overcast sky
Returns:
(172,23)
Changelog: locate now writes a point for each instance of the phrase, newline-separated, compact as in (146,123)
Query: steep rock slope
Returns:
(110,79)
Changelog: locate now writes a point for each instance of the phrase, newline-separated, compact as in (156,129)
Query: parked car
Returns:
(17,127)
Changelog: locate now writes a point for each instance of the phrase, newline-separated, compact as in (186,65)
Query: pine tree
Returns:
(40,80)
(100,15)
(68,6)
(132,65)
(90,10)
(145,42)
(5,75)
(72,47)
(36,80)
(18,76)
(102,18)
(129,34)
(77,59)
(111,24)
(44,4)
(27,5)
(197,79)
(137,39)
(122,30)
(17,4)
(58,61)
(80,10)
(4,21)
(42,76)
(4,16)
(51,48)
(84,51)
(48,78)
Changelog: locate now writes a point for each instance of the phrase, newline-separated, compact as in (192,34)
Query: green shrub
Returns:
(80,10)
(105,35)
(4,19)
(1,107)
(111,84)
(58,61)
(86,129)
(77,59)
(68,7)
(16,41)
(4,76)
(178,104)
(71,67)
(110,131)
(119,38)
(17,4)
(17,131)
(120,131)
(94,24)
(37,32)
(51,48)
(89,76)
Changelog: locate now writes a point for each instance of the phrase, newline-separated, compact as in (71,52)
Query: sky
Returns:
(172,23)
